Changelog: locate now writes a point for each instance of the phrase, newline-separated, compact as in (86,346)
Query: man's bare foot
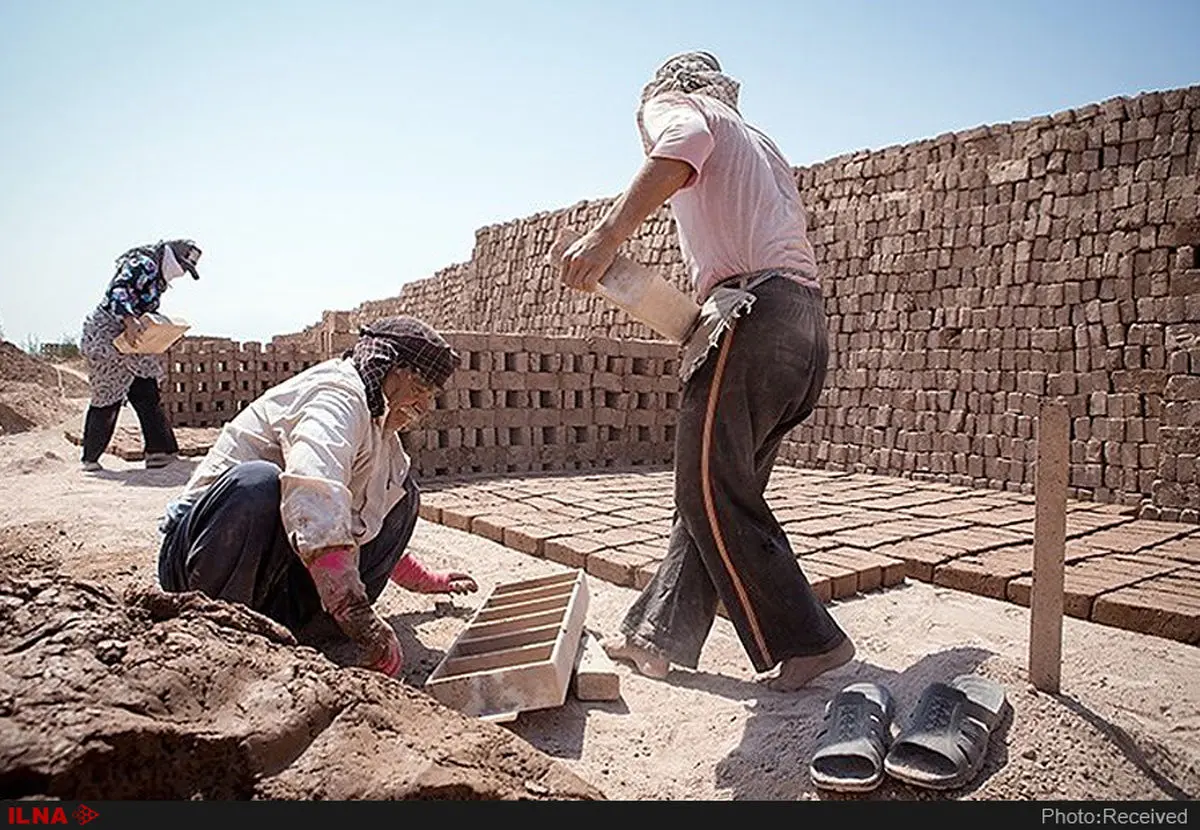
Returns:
(797,672)
(647,662)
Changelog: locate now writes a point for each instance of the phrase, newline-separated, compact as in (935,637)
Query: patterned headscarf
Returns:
(185,251)
(693,72)
(400,342)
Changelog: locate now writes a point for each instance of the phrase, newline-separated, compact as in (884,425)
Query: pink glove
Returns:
(343,595)
(411,575)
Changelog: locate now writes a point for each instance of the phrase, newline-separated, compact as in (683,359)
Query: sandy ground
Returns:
(1126,726)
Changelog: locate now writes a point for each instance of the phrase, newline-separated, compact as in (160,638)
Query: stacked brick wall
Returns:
(209,380)
(508,287)
(967,277)
(1176,490)
(527,403)
(973,275)
(439,300)
(517,403)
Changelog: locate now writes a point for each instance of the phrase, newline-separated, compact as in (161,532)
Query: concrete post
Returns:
(1050,521)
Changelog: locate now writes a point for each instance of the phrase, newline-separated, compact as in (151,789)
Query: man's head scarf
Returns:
(696,73)
(405,343)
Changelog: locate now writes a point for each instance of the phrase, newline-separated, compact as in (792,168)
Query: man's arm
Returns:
(585,262)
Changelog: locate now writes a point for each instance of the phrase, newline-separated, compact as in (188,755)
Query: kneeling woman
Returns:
(306,502)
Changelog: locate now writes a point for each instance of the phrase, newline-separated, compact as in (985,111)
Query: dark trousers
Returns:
(763,379)
(157,433)
(231,545)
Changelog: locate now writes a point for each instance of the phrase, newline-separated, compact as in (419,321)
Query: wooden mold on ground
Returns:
(517,652)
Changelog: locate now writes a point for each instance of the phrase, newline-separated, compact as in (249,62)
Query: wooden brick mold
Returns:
(517,652)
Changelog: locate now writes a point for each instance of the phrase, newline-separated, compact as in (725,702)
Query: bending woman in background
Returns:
(143,274)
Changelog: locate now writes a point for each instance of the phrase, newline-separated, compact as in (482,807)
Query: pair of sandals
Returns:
(943,746)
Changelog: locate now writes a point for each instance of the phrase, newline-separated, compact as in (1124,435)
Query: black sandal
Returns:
(945,744)
(853,739)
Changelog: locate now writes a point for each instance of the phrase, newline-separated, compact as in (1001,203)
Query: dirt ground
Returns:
(34,393)
(1126,726)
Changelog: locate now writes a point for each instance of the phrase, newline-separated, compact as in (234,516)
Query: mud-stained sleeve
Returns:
(320,440)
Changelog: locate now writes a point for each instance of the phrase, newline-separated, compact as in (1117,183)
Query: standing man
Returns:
(752,371)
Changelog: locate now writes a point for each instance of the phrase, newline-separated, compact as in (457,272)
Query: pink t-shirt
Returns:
(740,212)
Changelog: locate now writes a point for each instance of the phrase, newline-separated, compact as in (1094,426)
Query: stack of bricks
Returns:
(333,335)
(972,276)
(509,286)
(1176,491)
(209,380)
(522,403)
(426,299)
(967,278)
(518,403)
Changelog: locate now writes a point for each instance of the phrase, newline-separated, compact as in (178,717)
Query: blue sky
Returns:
(325,153)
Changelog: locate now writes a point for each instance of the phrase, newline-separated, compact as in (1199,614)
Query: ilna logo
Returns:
(50,815)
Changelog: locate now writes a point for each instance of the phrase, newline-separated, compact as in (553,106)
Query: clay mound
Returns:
(175,696)
(25,406)
(18,365)
(33,393)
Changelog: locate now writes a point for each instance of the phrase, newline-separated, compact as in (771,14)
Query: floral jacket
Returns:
(137,286)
